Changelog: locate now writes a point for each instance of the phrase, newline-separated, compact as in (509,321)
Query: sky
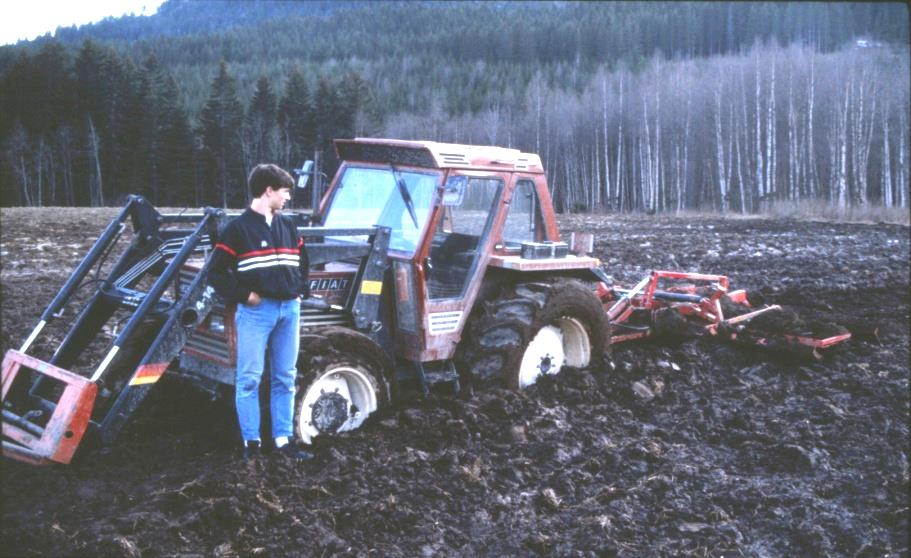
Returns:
(27,19)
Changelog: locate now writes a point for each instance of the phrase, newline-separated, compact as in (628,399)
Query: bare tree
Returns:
(886,184)
(656,166)
(681,194)
(64,140)
(793,165)
(841,180)
(42,153)
(619,166)
(645,160)
(903,155)
(745,176)
(809,155)
(862,135)
(727,131)
(719,150)
(607,187)
(96,191)
(770,187)
(17,148)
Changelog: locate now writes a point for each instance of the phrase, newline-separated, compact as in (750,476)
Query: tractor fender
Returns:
(496,276)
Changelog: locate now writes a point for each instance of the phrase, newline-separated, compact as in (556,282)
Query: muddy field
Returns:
(738,453)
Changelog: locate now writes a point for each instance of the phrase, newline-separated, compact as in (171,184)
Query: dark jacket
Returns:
(253,256)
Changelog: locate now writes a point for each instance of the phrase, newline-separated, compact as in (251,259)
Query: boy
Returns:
(260,264)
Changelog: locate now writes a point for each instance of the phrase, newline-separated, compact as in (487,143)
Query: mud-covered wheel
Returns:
(341,380)
(533,329)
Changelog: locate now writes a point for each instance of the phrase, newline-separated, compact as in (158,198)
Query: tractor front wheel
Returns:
(341,380)
(535,329)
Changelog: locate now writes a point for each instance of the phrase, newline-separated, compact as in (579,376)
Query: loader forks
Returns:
(48,407)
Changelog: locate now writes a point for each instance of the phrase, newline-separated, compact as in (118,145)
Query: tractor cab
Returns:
(453,212)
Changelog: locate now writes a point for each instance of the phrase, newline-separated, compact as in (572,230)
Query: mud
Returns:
(684,447)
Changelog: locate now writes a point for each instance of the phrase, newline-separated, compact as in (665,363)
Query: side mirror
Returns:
(581,244)
(303,174)
(454,190)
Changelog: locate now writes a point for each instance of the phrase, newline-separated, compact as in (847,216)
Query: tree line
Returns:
(728,133)
(405,50)
(632,106)
(88,130)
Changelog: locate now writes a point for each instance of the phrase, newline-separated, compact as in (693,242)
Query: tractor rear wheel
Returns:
(535,329)
(341,380)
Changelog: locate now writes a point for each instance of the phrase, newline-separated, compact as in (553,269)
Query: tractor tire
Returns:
(341,380)
(532,329)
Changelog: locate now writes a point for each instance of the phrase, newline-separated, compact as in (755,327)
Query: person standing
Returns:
(259,263)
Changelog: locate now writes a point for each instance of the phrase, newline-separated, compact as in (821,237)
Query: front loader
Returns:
(430,263)
(48,406)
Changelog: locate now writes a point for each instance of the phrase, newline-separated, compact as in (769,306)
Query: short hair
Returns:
(265,175)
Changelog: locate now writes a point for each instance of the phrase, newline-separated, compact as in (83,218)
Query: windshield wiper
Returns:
(406,197)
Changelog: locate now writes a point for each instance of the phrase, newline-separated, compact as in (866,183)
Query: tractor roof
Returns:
(437,155)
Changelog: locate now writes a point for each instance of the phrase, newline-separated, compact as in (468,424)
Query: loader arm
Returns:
(47,406)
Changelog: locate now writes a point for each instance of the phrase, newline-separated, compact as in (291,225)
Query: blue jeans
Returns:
(272,324)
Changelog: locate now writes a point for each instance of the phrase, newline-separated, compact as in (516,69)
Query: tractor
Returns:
(432,264)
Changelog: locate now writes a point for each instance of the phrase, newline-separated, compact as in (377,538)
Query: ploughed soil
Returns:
(685,447)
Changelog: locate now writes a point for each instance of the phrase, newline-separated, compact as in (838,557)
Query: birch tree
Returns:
(903,155)
(719,150)
(770,186)
(886,183)
(841,180)
(96,189)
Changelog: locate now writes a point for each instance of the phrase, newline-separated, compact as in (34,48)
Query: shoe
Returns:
(292,451)
(251,450)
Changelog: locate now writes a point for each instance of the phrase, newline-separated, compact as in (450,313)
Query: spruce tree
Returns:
(176,144)
(52,100)
(221,128)
(296,120)
(167,138)
(261,124)
(127,160)
(93,88)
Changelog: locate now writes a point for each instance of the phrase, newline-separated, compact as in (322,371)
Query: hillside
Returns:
(191,38)
(621,99)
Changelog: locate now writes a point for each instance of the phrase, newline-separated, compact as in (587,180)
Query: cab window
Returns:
(459,234)
(523,221)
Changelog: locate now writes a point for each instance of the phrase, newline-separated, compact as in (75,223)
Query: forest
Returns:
(655,107)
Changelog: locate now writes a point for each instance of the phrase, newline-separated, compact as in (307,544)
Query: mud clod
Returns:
(643,392)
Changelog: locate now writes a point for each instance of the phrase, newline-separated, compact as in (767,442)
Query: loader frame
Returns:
(43,425)
(48,408)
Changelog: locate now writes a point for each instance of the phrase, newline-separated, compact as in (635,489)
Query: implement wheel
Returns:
(535,329)
(341,380)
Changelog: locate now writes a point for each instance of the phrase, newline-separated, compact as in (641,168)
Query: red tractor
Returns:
(430,263)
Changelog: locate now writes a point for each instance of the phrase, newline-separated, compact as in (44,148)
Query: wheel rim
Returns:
(338,401)
(564,342)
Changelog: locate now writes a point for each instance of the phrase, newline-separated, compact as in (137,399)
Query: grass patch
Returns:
(818,210)
(806,210)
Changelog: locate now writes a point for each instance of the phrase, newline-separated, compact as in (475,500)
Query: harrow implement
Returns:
(679,304)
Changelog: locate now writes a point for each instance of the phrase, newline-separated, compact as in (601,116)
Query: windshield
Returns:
(367,196)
